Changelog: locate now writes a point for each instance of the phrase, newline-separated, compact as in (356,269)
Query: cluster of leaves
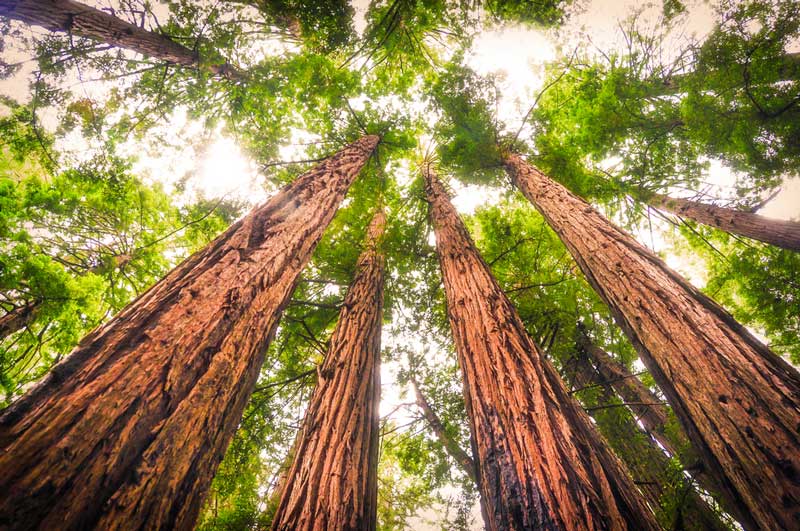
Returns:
(78,240)
(662,114)
(559,308)
(77,245)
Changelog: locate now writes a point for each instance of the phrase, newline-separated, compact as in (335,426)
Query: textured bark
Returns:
(540,462)
(778,232)
(738,402)
(333,481)
(451,447)
(17,319)
(647,463)
(86,21)
(127,431)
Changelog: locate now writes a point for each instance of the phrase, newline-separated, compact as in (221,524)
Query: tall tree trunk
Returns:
(642,401)
(451,447)
(781,233)
(86,21)
(17,319)
(653,417)
(648,464)
(540,462)
(127,431)
(333,481)
(738,402)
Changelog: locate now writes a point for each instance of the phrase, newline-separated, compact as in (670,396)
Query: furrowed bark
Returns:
(85,21)
(451,447)
(127,431)
(17,319)
(333,481)
(781,233)
(647,463)
(738,402)
(540,462)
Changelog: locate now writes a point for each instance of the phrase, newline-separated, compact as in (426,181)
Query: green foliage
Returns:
(736,103)
(468,131)
(325,26)
(77,246)
(537,12)
(756,282)
(404,39)
(81,236)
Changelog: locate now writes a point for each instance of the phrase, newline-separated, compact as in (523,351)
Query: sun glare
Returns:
(518,55)
(225,171)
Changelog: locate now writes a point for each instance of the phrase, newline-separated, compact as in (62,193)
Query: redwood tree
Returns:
(17,319)
(778,232)
(127,431)
(86,21)
(738,402)
(652,414)
(650,467)
(333,480)
(451,446)
(540,462)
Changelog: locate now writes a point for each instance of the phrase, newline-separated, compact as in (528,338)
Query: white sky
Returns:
(219,168)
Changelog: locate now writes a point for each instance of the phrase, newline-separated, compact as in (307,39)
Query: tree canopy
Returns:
(102,194)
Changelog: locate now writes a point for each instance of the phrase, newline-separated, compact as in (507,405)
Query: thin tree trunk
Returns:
(21,316)
(738,402)
(451,447)
(333,481)
(781,233)
(17,319)
(127,431)
(648,464)
(85,21)
(540,462)
(275,496)
(653,417)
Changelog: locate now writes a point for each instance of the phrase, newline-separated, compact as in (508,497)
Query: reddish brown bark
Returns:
(126,433)
(451,447)
(648,464)
(738,402)
(781,233)
(86,21)
(540,462)
(333,480)
(17,319)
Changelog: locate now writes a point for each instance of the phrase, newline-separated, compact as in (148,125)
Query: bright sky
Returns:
(217,167)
